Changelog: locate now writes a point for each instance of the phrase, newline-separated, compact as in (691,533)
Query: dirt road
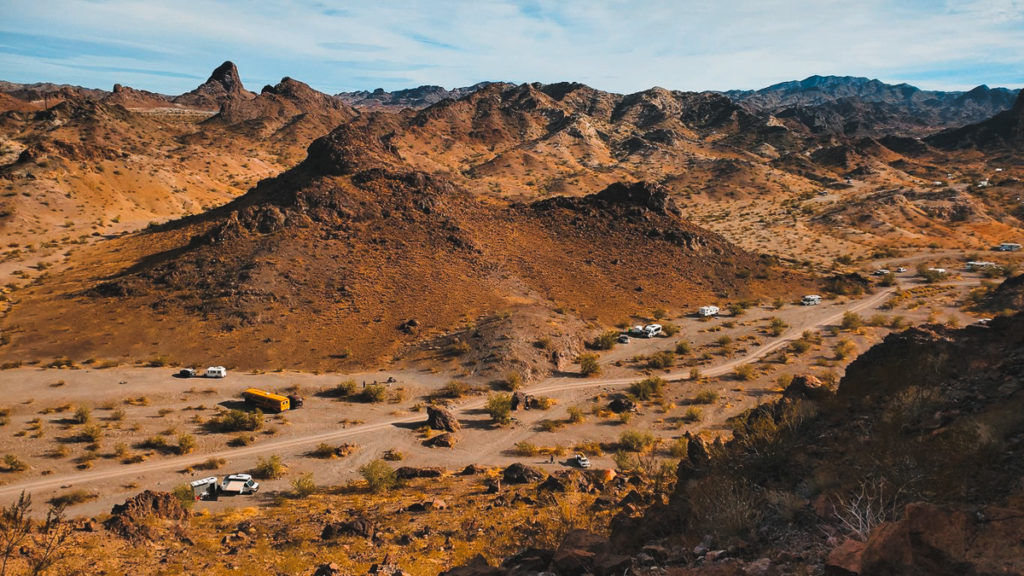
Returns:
(814,317)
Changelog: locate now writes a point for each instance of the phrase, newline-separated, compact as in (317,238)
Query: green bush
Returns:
(454,389)
(513,381)
(693,414)
(746,372)
(374,394)
(14,464)
(647,388)
(851,321)
(776,326)
(303,485)
(379,475)
(269,468)
(576,415)
(682,347)
(185,495)
(82,415)
(589,365)
(499,407)
(635,440)
(705,396)
(525,449)
(342,390)
(670,329)
(660,360)
(605,341)
(236,421)
(186,443)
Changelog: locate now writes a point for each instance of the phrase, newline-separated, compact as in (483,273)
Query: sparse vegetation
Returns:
(235,421)
(269,468)
(304,485)
(589,364)
(379,475)
(499,407)
(635,440)
(648,388)
(705,396)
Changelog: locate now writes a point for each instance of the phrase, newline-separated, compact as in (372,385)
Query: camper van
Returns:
(652,330)
(707,311)
(216,372)
(811,300)
(267,401)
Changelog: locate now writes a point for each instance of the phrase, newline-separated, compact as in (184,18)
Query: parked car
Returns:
(187,373)
(623,339)
(880,272)
(239,484)
(652,330)
(901,270)
(581,461)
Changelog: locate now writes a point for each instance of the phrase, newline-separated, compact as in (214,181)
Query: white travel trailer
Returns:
(216,372)
(707,311)
(652,330)
(811,300)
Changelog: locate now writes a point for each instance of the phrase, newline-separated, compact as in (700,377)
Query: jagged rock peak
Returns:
(226,75)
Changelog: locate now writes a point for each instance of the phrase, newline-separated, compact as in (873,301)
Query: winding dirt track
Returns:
(547,386)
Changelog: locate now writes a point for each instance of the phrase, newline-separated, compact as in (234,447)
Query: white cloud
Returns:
(614,45)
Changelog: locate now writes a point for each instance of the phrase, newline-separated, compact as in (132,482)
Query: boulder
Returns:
(518,399)
(937,541)
(472,470)
(446,440)
(577,552)
(845,559)
(519,473)
(811,387)
(331,569)
(408,472)
(622,404)
(356,527)
(440,418)
(478,566)
(134,518)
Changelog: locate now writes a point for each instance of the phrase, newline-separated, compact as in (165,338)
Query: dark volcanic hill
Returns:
(325,264)
(843,105)
(416,98)
(1003,131)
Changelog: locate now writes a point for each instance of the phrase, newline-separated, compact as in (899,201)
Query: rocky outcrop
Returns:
(134,519)
(223,85)
(446,440)
(439,418)
(810,387)
(519,473)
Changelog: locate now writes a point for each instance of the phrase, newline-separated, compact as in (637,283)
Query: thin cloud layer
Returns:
(616,45)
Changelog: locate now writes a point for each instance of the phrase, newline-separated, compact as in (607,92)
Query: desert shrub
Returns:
(678,448)
(590,447)
(186,443)
(878,320)
(14,464)
(154,443)
(379,475)
(799,346)
(211,464)
(844,348)
(635,440)
(694,373)
(550,425)
(543,402)
(235,421)
(784,380)
(457,348)
(724,340)
(682,347)
(576,415)
(373,394)
(670,329)
(544,343)
(746,372)
(660,313)
(588,364)
(303,485)
(82,415)
(241,440)
(604,341)
(693,414)
(499,407)
(705,396)
(647,388)
(184,494)
(776,326)
(897,322)
(727,508)
(117,414)
(525,449)
(659,360)
(342,389)
(92,433)
(851,321)
(323,451)
(930,276)
(71,498)
(454,389)
(392,455)
(269,468)
(513,381)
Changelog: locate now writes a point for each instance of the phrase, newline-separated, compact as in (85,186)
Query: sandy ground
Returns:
(154,401)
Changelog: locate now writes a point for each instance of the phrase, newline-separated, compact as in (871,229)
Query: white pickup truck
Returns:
(239,484)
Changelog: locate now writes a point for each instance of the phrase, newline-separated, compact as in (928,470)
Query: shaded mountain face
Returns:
(858,106)
(416,98)
(1004,131)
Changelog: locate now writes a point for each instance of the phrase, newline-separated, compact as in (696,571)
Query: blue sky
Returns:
(616,45)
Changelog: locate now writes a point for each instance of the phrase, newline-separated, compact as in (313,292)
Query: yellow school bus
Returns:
(266,401)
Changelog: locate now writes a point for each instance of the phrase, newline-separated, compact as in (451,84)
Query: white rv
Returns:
(216,372)
(707,311)
(811,300)
(652,330)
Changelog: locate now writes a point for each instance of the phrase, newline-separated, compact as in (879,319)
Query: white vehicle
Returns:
(880,272)
(186,373)
(652,330)
(636,331)
(239,484)
(216,372)
(1008,247)
(937,270)
(623,339)
(981,265)
(204,489)
(707,311)
(811,300)
(901,270)
(581,461)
